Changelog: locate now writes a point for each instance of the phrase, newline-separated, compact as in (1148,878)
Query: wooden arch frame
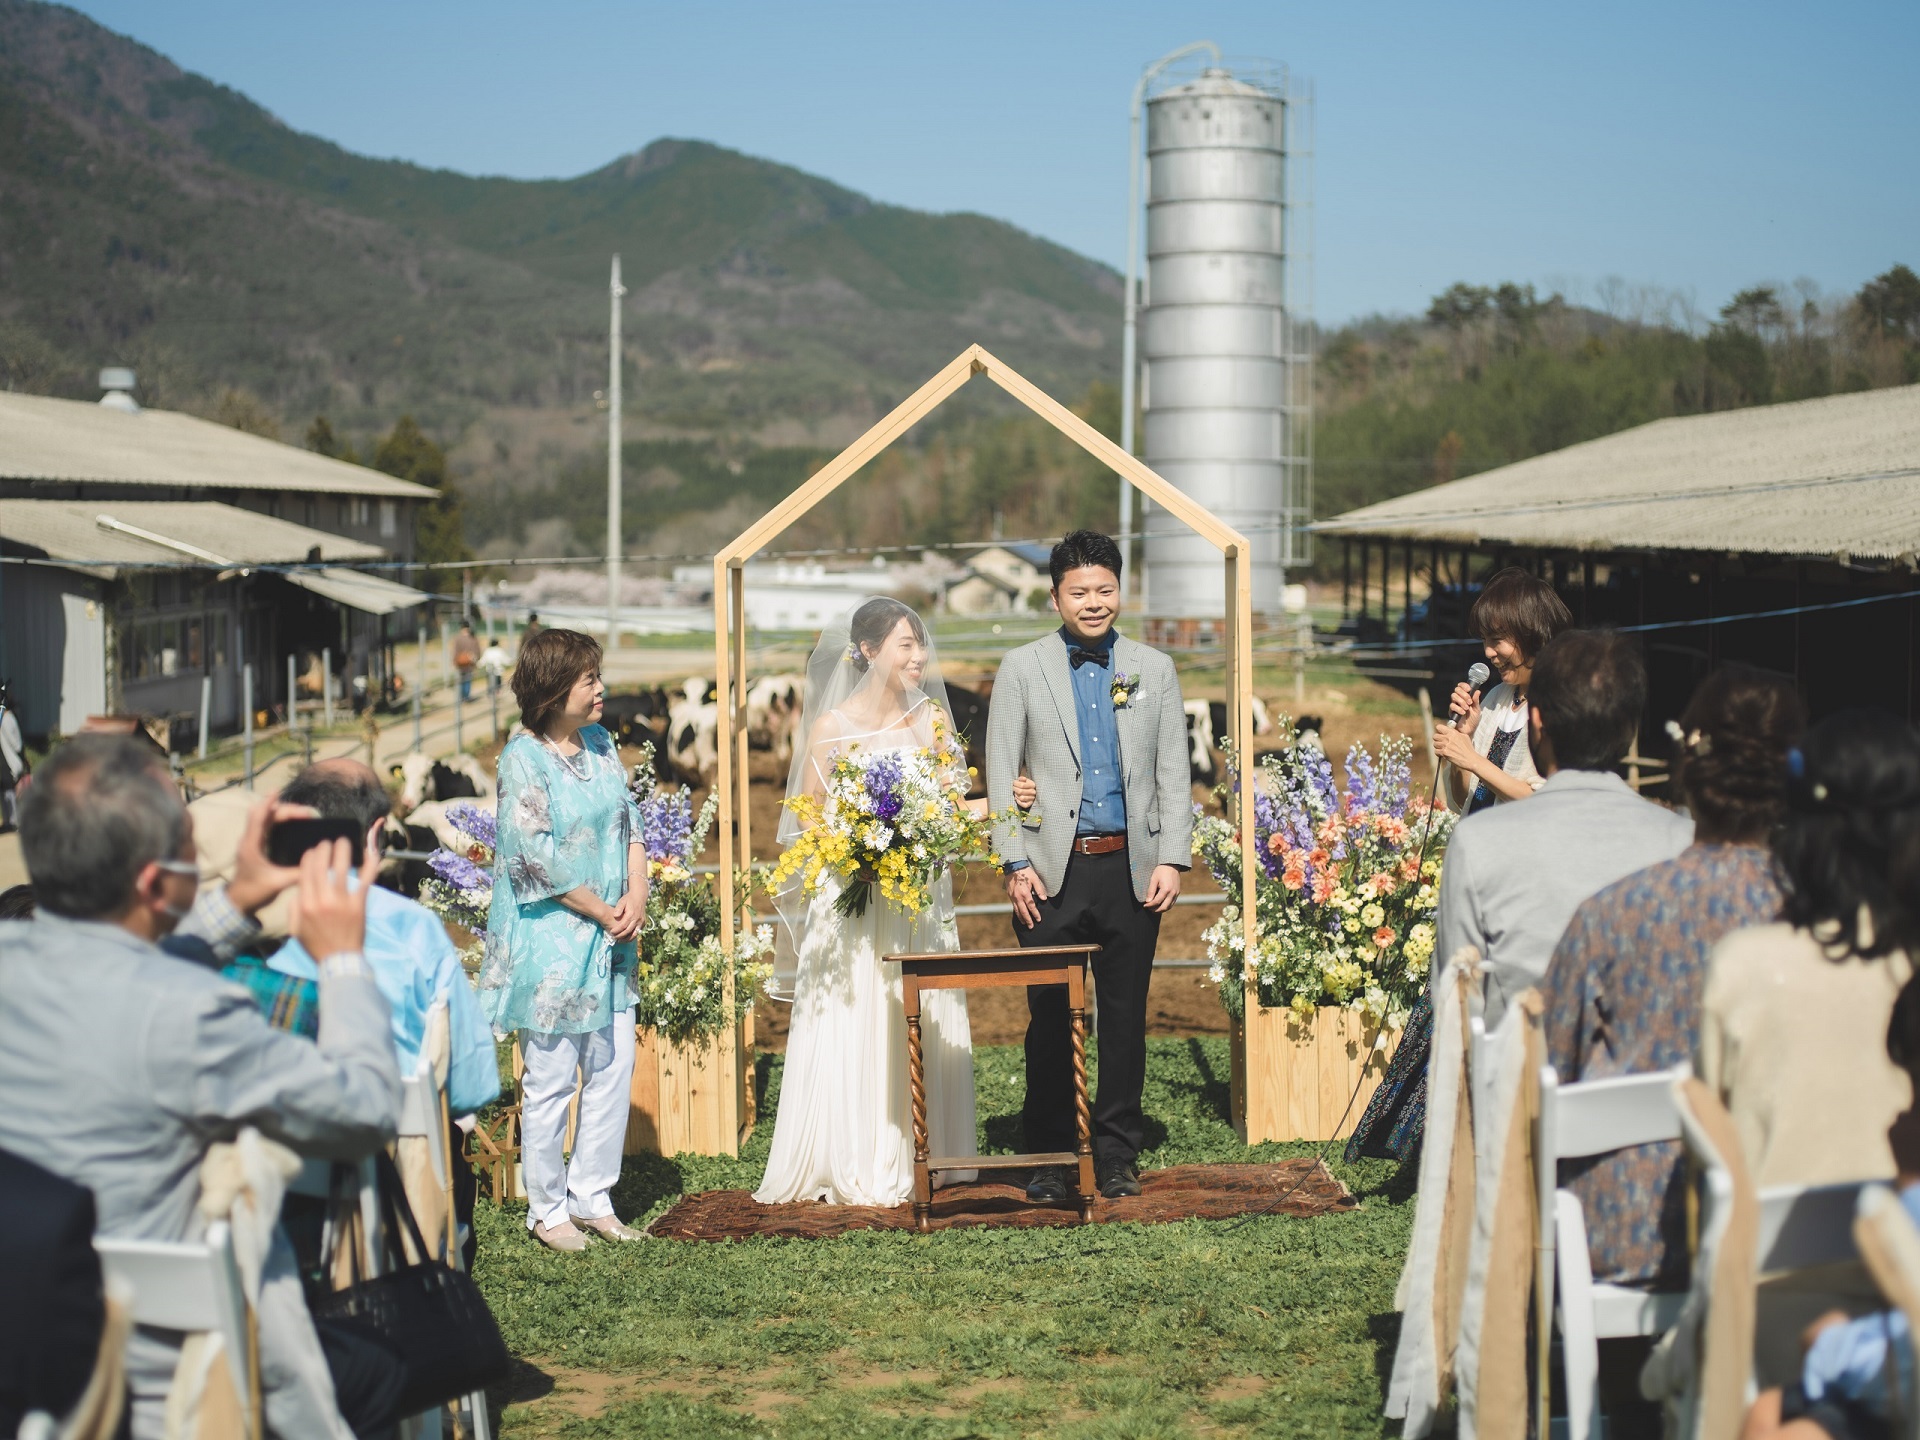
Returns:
(730,615)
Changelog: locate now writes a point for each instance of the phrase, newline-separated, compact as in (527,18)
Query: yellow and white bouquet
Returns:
(891,819)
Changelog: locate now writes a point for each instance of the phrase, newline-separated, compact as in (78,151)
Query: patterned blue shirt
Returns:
(416,967)
(1622,997)
(1849,1362)
(1103,799)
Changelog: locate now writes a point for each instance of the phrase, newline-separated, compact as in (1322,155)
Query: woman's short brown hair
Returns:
(1731,752)
(544,675)
(1523,608)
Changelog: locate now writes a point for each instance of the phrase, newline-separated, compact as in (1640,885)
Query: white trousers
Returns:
(602,1061)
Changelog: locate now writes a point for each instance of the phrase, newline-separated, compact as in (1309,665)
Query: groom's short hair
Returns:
(1080,549)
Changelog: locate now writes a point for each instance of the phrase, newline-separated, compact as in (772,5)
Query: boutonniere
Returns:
(1124,688)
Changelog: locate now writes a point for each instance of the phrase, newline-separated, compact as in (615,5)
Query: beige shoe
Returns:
(608,1227)
(559,1237)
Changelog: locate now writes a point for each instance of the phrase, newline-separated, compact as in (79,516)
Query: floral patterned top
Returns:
(1623,997)
(564,822)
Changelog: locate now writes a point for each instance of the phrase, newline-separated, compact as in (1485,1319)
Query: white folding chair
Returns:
(1806,1263)
(1595,1117)
(188,1285)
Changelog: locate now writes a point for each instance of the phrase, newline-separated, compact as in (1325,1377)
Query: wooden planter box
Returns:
(691,1099)
(1294,1080)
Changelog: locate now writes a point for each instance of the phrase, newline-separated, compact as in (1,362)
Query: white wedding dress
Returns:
(844,1132)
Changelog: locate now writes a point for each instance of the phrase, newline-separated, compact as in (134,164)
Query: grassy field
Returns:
(1272,1326)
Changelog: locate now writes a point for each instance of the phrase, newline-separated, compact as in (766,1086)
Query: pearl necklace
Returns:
(565,760)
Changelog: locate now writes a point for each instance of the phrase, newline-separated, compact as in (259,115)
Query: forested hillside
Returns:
(453,327)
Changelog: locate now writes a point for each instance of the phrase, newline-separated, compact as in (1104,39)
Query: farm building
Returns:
(1786,536)
(137,544)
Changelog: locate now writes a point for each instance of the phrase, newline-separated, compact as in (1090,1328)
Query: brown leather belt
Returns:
(1099,844)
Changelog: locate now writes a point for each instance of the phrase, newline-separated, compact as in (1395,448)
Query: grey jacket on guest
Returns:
(121,1064)
(1031,723)
(1514,874)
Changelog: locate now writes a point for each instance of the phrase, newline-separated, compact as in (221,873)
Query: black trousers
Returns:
(1095,906)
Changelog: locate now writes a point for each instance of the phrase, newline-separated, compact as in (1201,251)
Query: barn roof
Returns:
(72,441)
(1815,477)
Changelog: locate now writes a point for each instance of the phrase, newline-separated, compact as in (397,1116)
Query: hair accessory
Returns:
(1797,766)
(853,651)
(1697,742)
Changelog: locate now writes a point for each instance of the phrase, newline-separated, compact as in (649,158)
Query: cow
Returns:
(634,719)
(699,690)
(692,744)
(457,777)
(1217,711)
(773,713)
(1200,740)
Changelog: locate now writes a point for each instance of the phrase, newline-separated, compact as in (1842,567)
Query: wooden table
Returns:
(981,969)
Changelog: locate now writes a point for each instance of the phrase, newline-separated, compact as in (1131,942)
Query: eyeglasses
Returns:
(178,867)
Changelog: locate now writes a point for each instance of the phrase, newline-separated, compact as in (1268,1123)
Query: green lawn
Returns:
(1274,1326)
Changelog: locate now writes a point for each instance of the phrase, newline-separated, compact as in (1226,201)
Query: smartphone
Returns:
(290,839)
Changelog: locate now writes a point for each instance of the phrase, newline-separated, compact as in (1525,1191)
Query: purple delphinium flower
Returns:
(460,872)
(474,821)
(666,825)
(1363,788)
(883,780)
(1395,790)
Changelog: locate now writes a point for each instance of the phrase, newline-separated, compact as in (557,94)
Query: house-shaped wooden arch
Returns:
(730,617)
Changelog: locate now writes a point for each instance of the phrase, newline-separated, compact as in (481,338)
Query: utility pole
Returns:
(615,291)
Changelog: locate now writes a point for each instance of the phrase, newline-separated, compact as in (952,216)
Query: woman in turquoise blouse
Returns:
(569,897)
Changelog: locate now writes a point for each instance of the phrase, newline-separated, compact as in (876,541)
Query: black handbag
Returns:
(431,1315)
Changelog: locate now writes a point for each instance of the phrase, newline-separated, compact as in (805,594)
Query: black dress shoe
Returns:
(1049,1185)
(1117,1179)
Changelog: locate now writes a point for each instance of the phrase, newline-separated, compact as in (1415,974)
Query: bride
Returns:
(843,1132)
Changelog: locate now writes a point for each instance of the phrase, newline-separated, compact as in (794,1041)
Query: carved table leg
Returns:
(917,1092)
(1082,1115)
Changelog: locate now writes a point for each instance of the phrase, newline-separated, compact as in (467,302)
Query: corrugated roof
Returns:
(1816,477)
(70,440)
(70,530)
(359,591)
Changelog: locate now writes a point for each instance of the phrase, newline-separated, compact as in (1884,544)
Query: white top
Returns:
(1500,709)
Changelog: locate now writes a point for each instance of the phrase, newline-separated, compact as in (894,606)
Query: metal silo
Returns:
(1227,394)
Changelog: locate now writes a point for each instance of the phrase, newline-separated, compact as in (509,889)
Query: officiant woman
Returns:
(1483,761)
(569,898)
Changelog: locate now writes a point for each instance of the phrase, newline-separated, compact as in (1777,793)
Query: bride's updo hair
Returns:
(873,622)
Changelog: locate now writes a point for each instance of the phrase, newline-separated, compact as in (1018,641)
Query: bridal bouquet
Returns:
(891,819)
(1344,900)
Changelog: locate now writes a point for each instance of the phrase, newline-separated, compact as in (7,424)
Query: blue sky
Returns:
(1694,148)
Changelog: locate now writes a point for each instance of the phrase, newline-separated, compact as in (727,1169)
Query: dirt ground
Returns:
(1181,1002)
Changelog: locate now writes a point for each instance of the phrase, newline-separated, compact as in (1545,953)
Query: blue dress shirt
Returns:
(1103,799)
(415,966)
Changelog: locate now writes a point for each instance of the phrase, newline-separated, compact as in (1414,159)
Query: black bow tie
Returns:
(1080,655)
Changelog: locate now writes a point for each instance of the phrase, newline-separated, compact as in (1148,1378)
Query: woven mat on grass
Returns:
(1207,1192)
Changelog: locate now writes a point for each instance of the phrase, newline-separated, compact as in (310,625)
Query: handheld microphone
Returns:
(1477,676)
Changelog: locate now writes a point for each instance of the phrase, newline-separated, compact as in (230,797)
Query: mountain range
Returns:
(152,217)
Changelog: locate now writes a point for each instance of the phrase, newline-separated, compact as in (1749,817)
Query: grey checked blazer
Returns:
(1031,723)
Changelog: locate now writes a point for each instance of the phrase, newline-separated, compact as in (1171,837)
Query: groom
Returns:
(1096,720)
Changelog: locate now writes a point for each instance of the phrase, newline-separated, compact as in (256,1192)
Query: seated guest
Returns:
(1854,1366)
(1623,992)
(1793,1012)
(1514,874)
(407,947)
(50,1326)
(122,1064)
(16,902)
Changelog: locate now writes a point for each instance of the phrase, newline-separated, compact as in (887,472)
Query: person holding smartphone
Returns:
(569,898)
